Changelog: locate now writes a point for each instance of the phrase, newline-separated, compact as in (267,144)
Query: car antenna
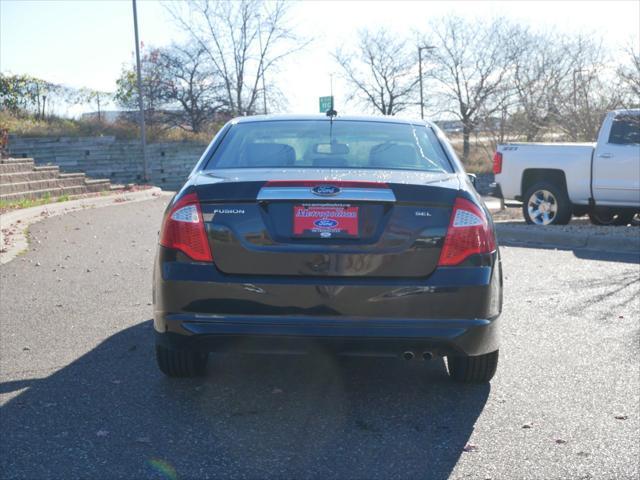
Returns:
(331,112)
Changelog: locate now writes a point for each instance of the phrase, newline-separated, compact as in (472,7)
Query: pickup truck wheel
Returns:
(180,363)
(607,216)
(546,204)
(478,369)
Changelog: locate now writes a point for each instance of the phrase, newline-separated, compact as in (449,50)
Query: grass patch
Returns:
(25,125)
(5,206)
(480,158)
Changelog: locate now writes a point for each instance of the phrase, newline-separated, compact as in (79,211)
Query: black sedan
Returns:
(359,235)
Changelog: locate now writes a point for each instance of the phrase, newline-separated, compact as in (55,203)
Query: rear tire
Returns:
(545,203)
(478,369)
(606,216)
(181,363)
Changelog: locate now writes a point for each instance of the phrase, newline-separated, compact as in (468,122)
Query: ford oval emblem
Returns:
(325,190)
(326,223)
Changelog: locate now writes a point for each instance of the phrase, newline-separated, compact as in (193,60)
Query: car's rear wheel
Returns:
(478,369)
(607,216)
(181,363)
(546,204)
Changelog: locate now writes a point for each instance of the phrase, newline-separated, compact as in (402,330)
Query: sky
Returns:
(85,43)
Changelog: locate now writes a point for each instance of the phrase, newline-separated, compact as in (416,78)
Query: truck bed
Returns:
(572,159)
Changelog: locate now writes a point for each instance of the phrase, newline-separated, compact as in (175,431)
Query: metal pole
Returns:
(143,133)
(426,47)
(331,89)
(420,73)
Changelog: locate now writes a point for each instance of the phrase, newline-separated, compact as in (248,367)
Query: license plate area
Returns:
(325,221)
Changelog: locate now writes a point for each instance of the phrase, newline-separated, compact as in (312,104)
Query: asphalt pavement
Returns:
(81,397)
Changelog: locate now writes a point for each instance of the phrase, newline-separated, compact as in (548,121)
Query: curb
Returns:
(16,222)
(535,236)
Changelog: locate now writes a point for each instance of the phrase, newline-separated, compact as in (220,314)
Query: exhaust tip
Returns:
(427,356)
(408,355)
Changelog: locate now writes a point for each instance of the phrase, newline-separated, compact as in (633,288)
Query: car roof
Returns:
(626,111)
(339,118)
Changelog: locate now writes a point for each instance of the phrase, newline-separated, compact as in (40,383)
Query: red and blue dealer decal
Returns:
(323,219)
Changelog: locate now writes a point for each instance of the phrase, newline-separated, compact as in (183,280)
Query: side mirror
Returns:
(473,178)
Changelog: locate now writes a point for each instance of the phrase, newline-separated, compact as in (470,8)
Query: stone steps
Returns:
(17,187)
(31,176)
(24,165)
(33,194)
(21,179)
(10,161)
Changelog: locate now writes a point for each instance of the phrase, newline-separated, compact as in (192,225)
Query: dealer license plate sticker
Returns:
(325,221)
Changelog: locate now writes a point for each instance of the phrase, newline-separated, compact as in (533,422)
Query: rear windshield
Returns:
(625,130)
(325,144)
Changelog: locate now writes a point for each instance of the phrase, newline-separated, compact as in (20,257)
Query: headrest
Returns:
(269,155)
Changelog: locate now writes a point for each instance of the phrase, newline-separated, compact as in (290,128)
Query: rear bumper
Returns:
(353,336)
(454,310)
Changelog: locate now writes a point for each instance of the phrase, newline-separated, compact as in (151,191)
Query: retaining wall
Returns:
(121,160)
(106,157)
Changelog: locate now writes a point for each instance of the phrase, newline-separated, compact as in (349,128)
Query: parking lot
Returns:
(81,395)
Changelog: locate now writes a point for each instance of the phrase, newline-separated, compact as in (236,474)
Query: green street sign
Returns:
(326,103)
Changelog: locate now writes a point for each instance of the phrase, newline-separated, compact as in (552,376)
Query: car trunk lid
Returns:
(326,223)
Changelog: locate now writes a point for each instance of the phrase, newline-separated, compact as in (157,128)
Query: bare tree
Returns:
(153,85)
(471,63)
(94,97)
(381,71)
(629,75)
(244,40)
(191,90)
(541,70)
(588,92)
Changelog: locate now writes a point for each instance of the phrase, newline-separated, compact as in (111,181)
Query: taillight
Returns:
(497,163)
(468,234)
(183,229)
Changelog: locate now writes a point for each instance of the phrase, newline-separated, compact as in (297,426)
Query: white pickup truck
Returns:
(555,180)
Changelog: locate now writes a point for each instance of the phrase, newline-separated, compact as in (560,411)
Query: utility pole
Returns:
(426,47)
(143,133)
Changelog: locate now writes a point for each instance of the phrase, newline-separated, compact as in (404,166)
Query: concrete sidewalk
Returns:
(13,224)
